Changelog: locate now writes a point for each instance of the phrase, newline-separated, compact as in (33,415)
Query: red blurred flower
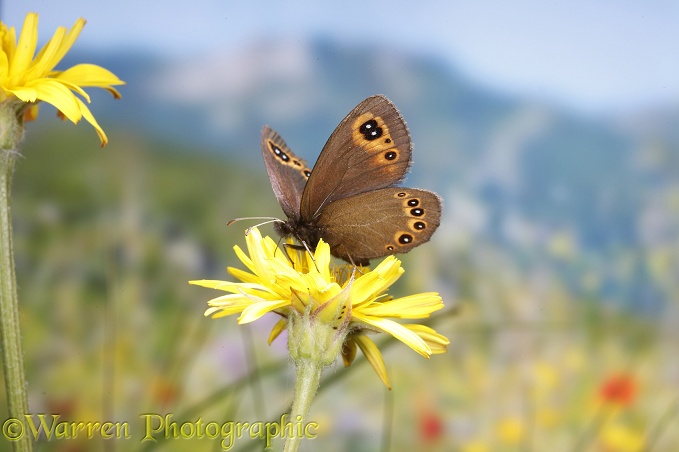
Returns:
(618,389)
(431,427)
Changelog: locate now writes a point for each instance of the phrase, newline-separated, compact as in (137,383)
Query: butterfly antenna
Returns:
(247,231)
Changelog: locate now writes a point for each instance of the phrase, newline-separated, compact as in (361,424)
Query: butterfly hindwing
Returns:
(379,222)
(370,149)
(288,173)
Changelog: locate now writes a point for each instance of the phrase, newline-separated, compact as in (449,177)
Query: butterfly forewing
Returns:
(288,173)
(380,222)
(370,149)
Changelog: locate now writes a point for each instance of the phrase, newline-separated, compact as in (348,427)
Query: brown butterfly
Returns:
(349,198)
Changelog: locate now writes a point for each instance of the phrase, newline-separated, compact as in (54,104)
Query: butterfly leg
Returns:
(359,263)
(301,247)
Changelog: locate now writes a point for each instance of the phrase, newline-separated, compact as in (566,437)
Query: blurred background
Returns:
(551,130)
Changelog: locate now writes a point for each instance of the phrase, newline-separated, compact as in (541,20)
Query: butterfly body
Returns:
(306,232)
(349,198)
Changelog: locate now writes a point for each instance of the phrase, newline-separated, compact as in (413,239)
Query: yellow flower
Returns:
(475,446)
(292,283)
(511,430)
(621,438)
(25,80)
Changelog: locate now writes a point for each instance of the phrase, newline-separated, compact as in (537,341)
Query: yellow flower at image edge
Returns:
(295,285)
(26,80)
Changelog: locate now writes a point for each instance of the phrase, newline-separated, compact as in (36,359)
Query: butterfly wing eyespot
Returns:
(287,158)
(404,238)
(417,225)
(371,134)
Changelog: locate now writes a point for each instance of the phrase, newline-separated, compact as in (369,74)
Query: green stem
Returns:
(13,359)
(308,377)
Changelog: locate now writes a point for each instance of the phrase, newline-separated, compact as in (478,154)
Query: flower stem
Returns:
(307,380)
(13,360)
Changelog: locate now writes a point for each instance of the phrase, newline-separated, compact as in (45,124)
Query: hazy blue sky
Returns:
(593,55)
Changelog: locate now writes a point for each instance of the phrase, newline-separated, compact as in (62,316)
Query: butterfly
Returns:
(349,198)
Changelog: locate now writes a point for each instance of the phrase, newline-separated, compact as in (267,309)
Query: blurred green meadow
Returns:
(106,241)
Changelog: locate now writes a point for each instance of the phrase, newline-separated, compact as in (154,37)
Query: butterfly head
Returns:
(305,232)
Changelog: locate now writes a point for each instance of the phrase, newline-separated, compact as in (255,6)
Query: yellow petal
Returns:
(436,342)
(336,312)
(89,118)
(256,310)
(322,257)
(225,285)
(294,255)
(374,357)
(278,328)
(271,249)
(25,94)
(242,275)
(57,94)
(349,351)
(320,288)
(4,66)
(9,41)
(75,88)
(282,274)
(411,307)
(52,92)
(259,257)
(25,49)
(209,283)
(227,305)
(299,300)
(400,332)
(219,312)
(67,42)
(244,258)
(41,65)
(369,285)
(254,295)
(233,299)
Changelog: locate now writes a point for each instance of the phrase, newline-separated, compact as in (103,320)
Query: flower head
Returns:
(618,389)
(623,438)
(26,78)
(431,426)
(351,303)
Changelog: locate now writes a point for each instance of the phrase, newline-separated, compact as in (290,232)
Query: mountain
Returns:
(520,174)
